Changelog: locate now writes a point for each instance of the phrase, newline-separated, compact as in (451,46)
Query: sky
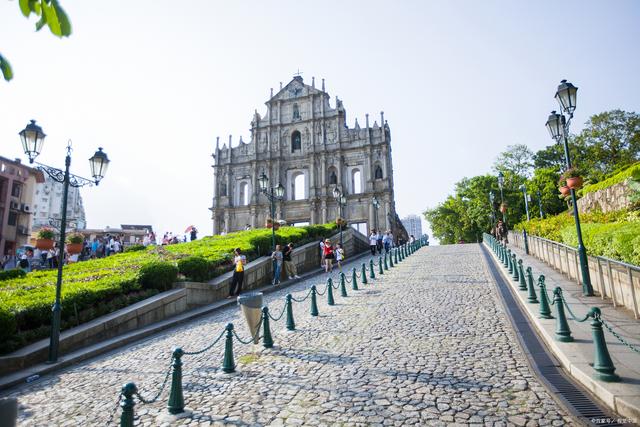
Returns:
(155,82)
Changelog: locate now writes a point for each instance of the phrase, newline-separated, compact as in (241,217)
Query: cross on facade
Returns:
(299,73)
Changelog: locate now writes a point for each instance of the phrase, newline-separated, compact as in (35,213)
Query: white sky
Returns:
(154,82)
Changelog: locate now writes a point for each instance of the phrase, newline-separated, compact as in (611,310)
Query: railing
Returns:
(611,279)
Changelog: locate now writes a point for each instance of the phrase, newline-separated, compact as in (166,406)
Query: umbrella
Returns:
(189,228)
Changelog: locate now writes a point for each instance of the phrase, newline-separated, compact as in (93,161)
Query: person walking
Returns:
(339,252)
(387,241)
(379,239)
(321,253)
(329,256)
(277,271)
(289,267)
(373,242)
(239,260)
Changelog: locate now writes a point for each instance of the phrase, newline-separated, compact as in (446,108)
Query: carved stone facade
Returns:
(305,144)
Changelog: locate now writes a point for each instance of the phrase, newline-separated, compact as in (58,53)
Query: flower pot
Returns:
(276,226)
(74,248)
(575,182)
(565,190)
(44,244)
(503,208)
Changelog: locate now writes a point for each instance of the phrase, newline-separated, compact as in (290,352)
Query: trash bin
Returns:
(251,306)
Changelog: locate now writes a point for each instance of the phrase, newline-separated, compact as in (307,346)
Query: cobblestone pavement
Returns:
(428,343)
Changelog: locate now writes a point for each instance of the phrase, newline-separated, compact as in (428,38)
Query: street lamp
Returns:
(493,215)
(273,194)
(540,204)
(342,201)
(501,185)
(376,206)
(32,139)
(523,188)
(558,127)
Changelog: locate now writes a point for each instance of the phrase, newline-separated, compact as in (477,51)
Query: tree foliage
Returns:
(51,14)
(517,159)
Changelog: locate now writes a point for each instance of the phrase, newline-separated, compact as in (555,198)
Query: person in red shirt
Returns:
(328,256)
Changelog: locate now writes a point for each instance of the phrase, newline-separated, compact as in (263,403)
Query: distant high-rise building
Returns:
(47,205)
(413,225)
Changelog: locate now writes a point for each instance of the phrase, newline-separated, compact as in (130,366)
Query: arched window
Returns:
(333,178)
(378,172)
(243,194)
(296,144)
(298,186)
(356,181)
(296,112)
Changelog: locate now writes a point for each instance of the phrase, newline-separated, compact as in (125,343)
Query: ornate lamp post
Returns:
(342,201)
(493,215)
(523,188)
(540,204)
(376,206)
(32,139)
(501,185)
(273,194)
(558,127)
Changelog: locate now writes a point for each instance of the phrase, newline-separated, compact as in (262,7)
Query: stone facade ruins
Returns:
(305,144)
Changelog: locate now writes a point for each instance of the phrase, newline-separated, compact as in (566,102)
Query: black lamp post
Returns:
(501,185)
(32,139)
(523,188)
(273,194)
(342,201)
(540,204)
(558,127)
(493,214)
(376,206)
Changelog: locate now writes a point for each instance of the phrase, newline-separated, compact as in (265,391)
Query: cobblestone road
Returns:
(428,343)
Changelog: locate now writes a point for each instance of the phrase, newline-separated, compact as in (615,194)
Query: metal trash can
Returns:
(8,412)
(251,306)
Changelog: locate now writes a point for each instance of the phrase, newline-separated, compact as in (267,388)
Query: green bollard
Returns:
(372,274)
(314,303)
(391,258)
(386,266)
(509,259)
(514,261)
(291,325)
(354,279)
(343,285)
(395,255)
(330,300)
(127,404)
(267,339)
(533,298)
(380,269)
(228,364)
(545,310)
(505,259)
(363,274)
(563,333)
(523,284)
(176,399)
(602,363)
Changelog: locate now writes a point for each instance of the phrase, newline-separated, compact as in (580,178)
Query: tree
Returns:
(545,180)
(517,159)
(51,14)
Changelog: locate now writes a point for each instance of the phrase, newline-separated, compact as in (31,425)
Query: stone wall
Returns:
(608,199)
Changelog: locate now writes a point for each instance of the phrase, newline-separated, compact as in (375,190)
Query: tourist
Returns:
(277,270)
(116,246)
(194,234)
(94,247)
(412,239)
(322,254)
(328,256)
(289,266)
(339,252)
(9,262)
(373,242)
(239,260)
(379,239)
(387,241)
(50,254)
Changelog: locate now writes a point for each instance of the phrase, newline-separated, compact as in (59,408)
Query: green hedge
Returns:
(195,268)
(91,287)
(631,172)
(12,274)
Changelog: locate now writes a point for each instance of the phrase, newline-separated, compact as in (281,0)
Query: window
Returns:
(378,172)
(333,178)
(13,218)
(298,186)
(243,194)
(296,112)
(360,226)
(15,189)
(356,181)
(296,144)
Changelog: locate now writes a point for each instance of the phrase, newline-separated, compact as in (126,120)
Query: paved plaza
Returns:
(427,343)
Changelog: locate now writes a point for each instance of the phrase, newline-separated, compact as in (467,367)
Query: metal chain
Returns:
(164,383)
(253,338)
(622,340)
(113,413)
(336,286)
(281,314)
(303,299)
(192,353)
(321,293)
(573,316)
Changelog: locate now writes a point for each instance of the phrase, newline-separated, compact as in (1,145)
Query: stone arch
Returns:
(356,181)
(298,186)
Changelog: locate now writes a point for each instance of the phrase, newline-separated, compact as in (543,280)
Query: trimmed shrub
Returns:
(631,172)
(158,275)
(195,268)
(11,274)
(135,248)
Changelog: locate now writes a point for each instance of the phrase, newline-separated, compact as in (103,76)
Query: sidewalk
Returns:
(577,357)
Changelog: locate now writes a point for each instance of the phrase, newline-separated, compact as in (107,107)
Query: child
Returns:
(339,256)
(328,256)
(278,258)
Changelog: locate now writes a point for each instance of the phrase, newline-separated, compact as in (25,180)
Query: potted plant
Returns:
(74,243)
(340,222)
(574,178)
(44,241)
(564,189)
(268,223)
(503,208)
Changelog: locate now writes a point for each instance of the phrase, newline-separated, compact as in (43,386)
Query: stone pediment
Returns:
(295,89)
